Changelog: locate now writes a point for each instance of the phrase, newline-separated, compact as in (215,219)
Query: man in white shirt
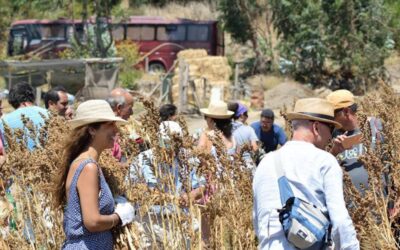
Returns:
(313,174)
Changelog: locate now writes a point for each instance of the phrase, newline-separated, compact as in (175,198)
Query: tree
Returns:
(249,20)
(342,41)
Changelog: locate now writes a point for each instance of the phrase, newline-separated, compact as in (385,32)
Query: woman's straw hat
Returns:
(93,111)
(314,109)
(217,110)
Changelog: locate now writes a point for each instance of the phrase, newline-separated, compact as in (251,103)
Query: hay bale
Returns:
(191,53)
(215,69)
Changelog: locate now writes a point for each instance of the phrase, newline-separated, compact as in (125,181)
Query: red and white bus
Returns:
(159,39)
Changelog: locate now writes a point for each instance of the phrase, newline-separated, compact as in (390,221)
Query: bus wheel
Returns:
(156,67)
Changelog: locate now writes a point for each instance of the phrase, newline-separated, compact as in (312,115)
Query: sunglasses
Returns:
(329,125)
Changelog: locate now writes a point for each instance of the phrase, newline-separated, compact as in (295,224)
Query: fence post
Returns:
(38,95)
(183,84)
(146,64)
(236,86)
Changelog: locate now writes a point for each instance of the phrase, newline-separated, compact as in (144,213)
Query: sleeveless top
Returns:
(77,236)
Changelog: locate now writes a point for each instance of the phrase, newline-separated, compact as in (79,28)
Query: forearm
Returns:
(254,146)
(197,193)
(101,223)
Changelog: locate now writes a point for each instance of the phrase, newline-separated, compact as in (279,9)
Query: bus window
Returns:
(118,32)
(171,33)
(18,42)
(140,33)
(198,33)
(52,31)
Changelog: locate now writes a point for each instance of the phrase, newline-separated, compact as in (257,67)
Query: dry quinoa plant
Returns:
(30,222)
(375,227)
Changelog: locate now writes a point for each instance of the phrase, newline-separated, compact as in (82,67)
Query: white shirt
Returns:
(315,176)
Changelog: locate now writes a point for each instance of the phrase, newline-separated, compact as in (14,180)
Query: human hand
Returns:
(337,145)
(184,200)
(124,210)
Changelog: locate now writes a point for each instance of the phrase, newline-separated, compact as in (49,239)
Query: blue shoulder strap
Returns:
(284,188)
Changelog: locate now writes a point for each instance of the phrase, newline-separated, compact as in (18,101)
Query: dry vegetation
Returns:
(228,212)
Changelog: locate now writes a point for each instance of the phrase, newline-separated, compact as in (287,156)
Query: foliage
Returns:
(128,75)
(393,8)
(234,21)
(344,40)
(249,21)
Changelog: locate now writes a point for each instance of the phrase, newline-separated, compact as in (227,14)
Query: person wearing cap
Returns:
(243,134)
(313,174)
(270,134)
(219,119)
(345,114)
(81,188)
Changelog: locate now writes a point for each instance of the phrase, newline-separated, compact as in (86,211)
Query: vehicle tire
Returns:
(156,67)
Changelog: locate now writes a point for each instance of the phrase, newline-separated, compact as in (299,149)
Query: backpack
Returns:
(305,225)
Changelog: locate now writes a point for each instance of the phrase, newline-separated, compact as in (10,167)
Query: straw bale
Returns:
(215,69)
(191,53)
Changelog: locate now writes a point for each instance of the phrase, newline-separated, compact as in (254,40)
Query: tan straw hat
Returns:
(93,111)
(218,110)
(314,109)
(341,98)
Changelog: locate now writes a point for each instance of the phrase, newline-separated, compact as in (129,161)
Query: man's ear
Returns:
(51,103)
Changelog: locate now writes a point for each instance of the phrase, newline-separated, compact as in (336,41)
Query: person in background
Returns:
(218,118)
(168,112)
(242,133)
(2,151)
(121,102)
(313,174)
(157,175)
(81,188)
(57,100)
(270,134)
(346,114)
(22,98)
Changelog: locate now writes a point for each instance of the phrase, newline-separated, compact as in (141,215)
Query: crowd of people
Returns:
(312,172)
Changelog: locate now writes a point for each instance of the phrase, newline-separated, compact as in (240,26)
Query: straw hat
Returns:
(314,109)
(218,110)
(341,98)
(94,111)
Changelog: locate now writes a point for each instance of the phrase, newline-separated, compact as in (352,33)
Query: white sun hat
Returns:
(93,111)
(217,109)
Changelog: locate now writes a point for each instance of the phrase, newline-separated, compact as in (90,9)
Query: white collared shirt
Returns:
(315,176)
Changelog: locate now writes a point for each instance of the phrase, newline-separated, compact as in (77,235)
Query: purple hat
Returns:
(240,110)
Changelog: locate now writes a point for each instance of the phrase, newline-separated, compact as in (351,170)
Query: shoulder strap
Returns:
(376,127)
(285,191)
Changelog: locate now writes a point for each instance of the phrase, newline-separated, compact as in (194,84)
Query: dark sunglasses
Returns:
(329,125)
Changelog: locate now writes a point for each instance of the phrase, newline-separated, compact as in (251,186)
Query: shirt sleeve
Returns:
(253,136)
(281,136)
(143,168)
(343,232)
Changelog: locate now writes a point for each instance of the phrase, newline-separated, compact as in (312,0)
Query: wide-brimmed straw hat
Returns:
(217,110)
(341,98)
(93,111)
(314,109)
